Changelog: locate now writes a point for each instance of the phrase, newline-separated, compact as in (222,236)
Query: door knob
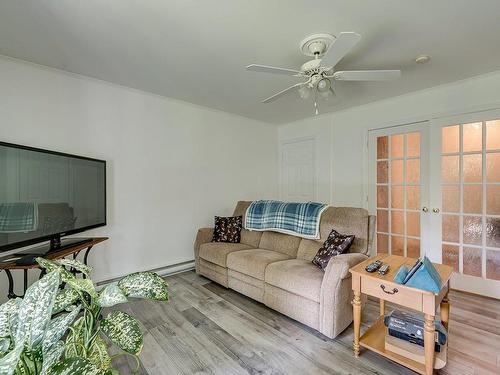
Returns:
(435,210)
(425,209)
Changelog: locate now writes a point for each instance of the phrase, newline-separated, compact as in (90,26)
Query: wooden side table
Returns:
(385,289)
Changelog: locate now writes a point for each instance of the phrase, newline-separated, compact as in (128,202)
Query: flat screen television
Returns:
(45,195)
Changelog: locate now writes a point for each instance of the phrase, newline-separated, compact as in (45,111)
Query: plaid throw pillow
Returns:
(227,229)
(335,244)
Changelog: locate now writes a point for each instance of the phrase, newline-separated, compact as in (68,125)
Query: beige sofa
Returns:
(276,269)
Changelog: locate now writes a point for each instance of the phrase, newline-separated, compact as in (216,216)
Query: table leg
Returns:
(429,340)
(356,309)
(445,311)
(11,293)
(382,307)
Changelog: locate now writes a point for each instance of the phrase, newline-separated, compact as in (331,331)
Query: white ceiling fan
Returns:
(318,74)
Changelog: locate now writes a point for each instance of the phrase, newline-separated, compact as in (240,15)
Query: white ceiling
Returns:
(196,50)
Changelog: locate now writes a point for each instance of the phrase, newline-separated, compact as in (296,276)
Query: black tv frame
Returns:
(55,238)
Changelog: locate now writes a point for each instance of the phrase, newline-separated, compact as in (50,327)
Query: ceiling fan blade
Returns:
(272,69)
(282,93)
(366,75)
(341,47)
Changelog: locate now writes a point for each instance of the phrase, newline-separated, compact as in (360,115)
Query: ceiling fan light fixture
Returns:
(324,85)
(304,92)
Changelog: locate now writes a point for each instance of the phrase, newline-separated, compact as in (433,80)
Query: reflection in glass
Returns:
(450,169)
(473,137)
(412,248)
(450,139)
(493,265)
(397,146)
(413,224)
(382,147)
(383,172)
(473,199)
(397,245)
(450,256)
(413,197)
(472,261)
(473,230)
(473,167)
(493,135)
(413,144)
(397,222)
(450,228)
(450,198)
(397,172)
(382,196)
(493,199)
(492,232)
(493,167)
(397,197)
(413,171)
(382,243)
(382,221)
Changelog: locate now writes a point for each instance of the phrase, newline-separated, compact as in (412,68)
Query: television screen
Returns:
(44,194)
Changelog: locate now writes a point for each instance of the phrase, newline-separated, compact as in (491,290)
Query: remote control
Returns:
(372,267)
(384,269)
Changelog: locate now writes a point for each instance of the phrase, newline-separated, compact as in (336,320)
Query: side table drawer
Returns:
(392,292)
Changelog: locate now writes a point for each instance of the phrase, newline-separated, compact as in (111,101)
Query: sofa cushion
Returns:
(249,237)
(227,229)
(308,249)
(283,243)
(334,245)
(253,262)
(216,252)
(297,276)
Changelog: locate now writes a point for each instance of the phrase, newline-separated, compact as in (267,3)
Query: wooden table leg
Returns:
(429,340)
(445,311)
(382,307)
(356,309)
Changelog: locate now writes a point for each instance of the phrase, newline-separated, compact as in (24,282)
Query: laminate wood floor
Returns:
(208,329)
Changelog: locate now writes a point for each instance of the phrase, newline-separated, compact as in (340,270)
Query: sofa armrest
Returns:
(335,295)
(204,235)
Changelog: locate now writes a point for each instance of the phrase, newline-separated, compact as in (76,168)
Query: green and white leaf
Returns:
(124,331)
(56,329)
(64,299)
(144,285)
(9,362)
(83,285)
(99,354)
(7,311)
(111,295)
(35,310)
(75,366)
(4,345)
(52,356)
(51,266)
(73,263)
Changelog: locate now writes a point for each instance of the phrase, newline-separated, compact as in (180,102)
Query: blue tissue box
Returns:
(426,277)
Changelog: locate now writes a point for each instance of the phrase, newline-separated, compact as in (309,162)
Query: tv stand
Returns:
(26,260)
(56,244)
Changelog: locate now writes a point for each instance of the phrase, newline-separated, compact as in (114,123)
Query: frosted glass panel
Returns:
(382,196)
(450,228)
(450,198)
(397,245)
(397,172)
(413,197)
(413,224)
(473,199)
(493,135)
(382,147)
(382,243)
(493,199)
(492,232)
(397,197)
(397,146)
(450,169)
(473,137)
(451,139)
(450,256)
(493,265)
(382,221)
(412,248)
(397,222)
(472,261)
(473,230)
(493,167)
(413,171)
(382,172)
(473,167)
(413,145)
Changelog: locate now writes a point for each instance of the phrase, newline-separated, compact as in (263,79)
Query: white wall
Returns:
(171,165)
(346,149)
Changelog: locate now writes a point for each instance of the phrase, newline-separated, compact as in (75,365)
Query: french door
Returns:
(435,188)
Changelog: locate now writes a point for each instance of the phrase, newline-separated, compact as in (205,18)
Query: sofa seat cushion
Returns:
(253,262)
(216,252)
(297,276)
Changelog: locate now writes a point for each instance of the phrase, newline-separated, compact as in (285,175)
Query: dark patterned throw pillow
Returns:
(227,229)
(335,244)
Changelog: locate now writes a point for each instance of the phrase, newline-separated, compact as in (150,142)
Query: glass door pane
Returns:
(398,193)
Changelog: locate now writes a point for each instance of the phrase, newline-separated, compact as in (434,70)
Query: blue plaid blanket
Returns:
(298,219)
(18,217)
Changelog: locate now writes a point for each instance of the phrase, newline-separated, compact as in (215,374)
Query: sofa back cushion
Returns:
(248,237)
(283,243)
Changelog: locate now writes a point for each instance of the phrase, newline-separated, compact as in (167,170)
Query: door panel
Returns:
(298,176)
